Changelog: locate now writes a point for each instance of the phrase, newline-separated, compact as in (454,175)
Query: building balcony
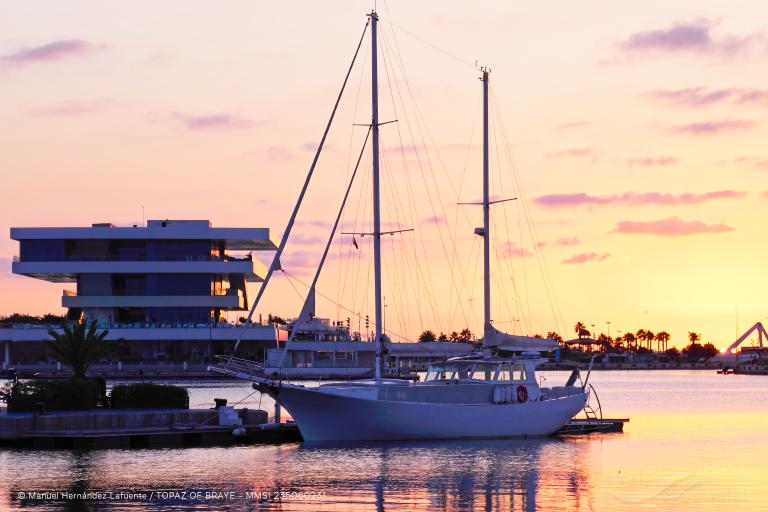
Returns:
(241,239)
(156,332)
(232,300)
(67,271)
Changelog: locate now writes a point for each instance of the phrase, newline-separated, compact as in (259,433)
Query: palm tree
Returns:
(629,338)
(80,346)
(454,336)
(555,336)
(466,335)
(694,337)
(662,337)
(579,328)
(649,337)
(427,337)
(640,335)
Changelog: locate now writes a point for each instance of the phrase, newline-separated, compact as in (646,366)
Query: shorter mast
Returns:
(486,224)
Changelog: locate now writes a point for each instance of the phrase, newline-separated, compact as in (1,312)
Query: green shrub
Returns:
(57,395)
(149,396)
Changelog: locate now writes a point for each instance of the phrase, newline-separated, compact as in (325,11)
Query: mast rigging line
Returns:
(425,166)
(433,45)
(325,251)
(341,306)
(276,259)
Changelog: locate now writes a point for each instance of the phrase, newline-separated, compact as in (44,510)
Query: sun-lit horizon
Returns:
(632,139)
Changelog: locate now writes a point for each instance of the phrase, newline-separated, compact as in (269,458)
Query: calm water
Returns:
(697,441)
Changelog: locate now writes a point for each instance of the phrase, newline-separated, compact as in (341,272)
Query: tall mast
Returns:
(486,217)
(376,207)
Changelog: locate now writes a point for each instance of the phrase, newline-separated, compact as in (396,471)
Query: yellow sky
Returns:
(638,132)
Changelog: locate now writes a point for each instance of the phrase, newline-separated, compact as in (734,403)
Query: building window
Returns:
(41,250)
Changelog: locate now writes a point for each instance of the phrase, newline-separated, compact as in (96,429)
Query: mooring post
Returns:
(277,413)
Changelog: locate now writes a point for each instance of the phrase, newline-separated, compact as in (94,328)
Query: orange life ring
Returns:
(522,394)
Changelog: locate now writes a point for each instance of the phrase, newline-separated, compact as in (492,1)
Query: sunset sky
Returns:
(637,131)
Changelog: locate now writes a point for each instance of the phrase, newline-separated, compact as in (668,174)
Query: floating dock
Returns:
(141,429)
(592,426)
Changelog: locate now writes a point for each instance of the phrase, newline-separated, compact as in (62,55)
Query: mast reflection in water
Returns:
(455,476)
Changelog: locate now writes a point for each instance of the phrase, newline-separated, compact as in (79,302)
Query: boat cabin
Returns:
(515,370)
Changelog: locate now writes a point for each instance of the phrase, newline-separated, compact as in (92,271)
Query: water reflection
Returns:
(463,475)
(453,476)
(696,442)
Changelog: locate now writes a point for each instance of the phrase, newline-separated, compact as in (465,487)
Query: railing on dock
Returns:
(237,366)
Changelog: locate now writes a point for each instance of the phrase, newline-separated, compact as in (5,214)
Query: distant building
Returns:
(162,288)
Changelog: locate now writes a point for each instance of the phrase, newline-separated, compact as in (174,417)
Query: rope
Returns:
(287,232)
(432,45)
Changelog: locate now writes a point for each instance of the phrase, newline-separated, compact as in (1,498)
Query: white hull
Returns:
(324,417)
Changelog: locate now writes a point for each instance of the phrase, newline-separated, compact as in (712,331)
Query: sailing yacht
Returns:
(491,395)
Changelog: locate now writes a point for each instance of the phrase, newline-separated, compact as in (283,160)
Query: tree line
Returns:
(638,342)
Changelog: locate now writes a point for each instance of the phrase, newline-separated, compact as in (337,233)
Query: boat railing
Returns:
(237,366)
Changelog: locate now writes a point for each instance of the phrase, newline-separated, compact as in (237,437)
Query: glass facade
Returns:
(141,284)
(42,250)
(120,250)
(178,284)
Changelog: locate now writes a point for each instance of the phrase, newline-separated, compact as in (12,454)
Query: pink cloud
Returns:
(436,219)
(512,250)
(50,52)
(72,108)
(218,121)
(715,127)
(672,226)
(765,193)
(566,242)
(405,148)
(752,97)
(321,224)
(300,239)
(573,153)
(659,161)
(702,96)
(278,153)
(586,257)
(755,161)
(634,198)
(691,37)
(571,125)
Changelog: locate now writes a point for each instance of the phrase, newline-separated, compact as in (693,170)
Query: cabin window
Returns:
(439,374)
(344,356)
(484,371)
(323,356)
(511,372)
(463,373)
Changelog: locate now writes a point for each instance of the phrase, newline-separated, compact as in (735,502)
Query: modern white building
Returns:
(162,287)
